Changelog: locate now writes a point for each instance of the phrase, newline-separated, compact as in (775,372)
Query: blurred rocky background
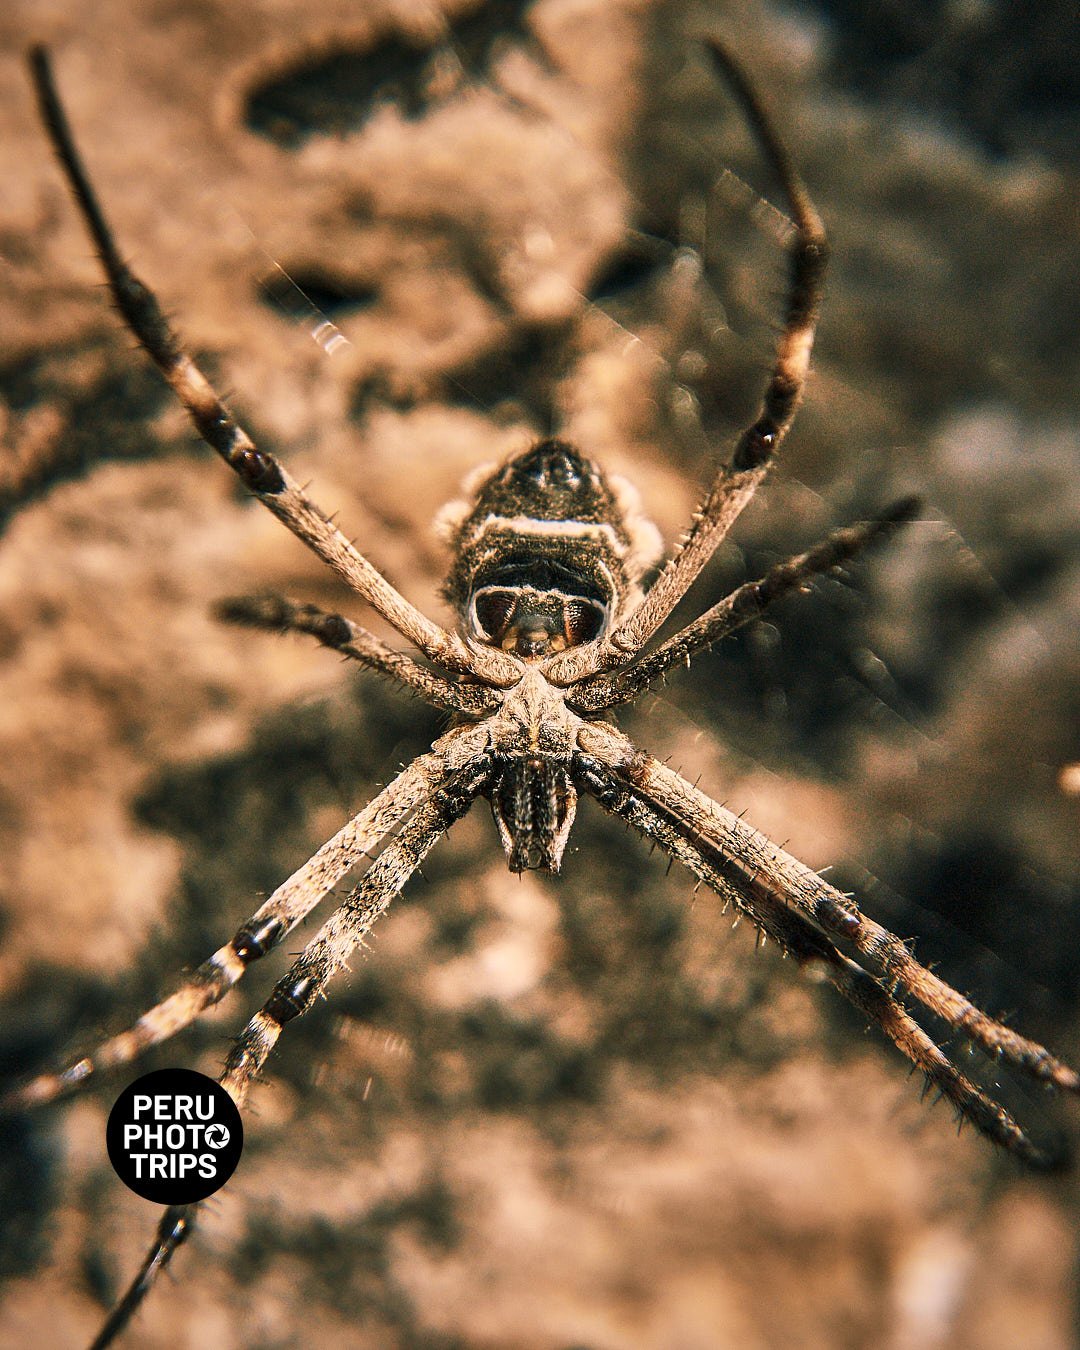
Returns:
(545,1112)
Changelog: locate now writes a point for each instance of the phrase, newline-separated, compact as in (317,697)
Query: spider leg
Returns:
(822,904)
(744,604)
(303,984)
(737,880)
(737,481)
(279,614)
(259,471)
(260,933)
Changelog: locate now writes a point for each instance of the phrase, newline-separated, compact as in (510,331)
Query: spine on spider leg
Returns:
(708,865)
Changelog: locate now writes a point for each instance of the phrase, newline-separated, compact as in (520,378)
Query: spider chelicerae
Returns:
(554,632)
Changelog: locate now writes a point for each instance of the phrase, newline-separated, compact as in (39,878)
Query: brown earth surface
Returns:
(544,1112)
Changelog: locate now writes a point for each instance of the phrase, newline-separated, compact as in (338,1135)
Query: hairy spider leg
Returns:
(259,934)
(768,906)
(737,481)
(257,469)
(278,614)
(303,983)
(803,888)
(745,604)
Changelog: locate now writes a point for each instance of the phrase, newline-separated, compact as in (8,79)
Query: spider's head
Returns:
(547,553)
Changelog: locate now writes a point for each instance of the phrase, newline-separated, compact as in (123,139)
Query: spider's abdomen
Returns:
(548,553)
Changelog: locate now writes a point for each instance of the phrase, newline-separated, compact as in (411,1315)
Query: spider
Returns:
(555,630)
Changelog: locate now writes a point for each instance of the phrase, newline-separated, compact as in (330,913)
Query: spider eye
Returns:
(582,621)
(493,610)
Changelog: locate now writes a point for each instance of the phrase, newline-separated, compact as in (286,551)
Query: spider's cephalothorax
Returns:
(554,632)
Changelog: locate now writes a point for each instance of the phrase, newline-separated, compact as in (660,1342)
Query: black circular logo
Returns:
(174,1136)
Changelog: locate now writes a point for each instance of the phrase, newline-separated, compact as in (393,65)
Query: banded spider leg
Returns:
(448,796)
(808,918)
(258,470)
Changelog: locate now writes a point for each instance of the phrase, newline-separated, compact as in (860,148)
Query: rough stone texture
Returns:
(572,1112)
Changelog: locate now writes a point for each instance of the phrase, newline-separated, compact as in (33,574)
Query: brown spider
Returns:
(554,632)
